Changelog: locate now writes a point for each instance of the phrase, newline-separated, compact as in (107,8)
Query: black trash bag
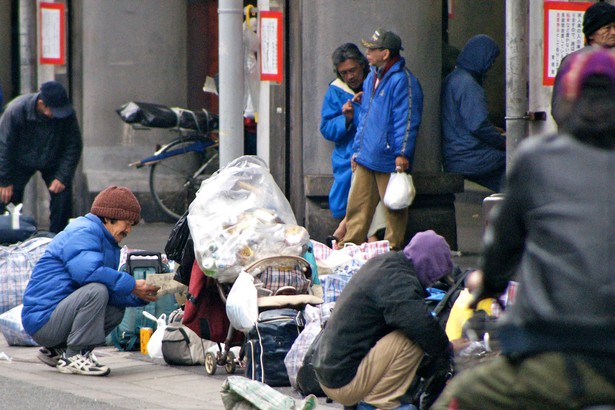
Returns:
(178,237)
(184,271)
(161,116)
(430,379)
(307,381)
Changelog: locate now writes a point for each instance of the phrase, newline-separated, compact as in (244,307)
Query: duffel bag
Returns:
(182,346)
(268,344)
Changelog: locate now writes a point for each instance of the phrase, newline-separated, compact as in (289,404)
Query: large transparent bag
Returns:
(239,216)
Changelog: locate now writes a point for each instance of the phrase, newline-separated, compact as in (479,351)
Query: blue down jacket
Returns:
(390,119)
(471,145)
(333,128)
(84,252)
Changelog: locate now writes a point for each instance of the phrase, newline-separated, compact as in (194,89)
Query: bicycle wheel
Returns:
(174,180)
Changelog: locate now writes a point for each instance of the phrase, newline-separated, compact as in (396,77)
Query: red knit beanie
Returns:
(117,202)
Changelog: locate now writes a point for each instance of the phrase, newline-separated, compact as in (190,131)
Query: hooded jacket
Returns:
(390,118)
(85,252)
(30,142)
(383,296)
(333,128)
(470,142)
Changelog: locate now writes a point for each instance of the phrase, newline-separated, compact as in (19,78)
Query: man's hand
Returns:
(401,163)
(353,164)
(6,193)
(358,97)
(56,186)
(144,291)
(348,111)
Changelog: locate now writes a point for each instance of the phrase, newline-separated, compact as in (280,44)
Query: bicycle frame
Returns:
(198,145)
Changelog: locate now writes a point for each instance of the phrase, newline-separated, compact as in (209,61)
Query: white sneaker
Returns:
(49,355)
(80,364)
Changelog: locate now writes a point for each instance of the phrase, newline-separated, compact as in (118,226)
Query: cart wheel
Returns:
(210,363)
(230,365)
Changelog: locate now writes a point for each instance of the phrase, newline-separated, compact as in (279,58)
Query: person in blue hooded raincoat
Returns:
(471,144)
(339,120)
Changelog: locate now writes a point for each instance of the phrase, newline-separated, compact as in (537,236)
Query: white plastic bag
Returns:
(154,346)
(400,191)
(241,303)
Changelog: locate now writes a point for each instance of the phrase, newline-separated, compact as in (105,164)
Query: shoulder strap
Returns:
(446,298)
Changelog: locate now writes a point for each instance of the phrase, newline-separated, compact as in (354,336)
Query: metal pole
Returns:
(27,46)
(517,70)
(231,79)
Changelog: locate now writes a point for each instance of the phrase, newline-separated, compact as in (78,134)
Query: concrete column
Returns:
(230,49)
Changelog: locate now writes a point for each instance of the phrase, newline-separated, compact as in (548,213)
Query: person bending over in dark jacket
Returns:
(555,230)
(40,132)
(76,295)
(381,326)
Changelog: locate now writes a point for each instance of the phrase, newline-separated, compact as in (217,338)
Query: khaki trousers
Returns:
(545,381)
(384,375)
(367,189)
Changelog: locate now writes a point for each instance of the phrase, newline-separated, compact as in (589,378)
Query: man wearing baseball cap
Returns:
(599,31)
(76,295)
(39,132)
(392,106)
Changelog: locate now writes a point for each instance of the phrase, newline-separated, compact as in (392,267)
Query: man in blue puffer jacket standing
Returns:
(391,110)
(471,144)
(76,295)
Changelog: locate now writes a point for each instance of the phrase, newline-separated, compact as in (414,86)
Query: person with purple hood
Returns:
(381,327)
(471,143)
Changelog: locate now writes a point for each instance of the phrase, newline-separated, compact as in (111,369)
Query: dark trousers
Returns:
(60,205)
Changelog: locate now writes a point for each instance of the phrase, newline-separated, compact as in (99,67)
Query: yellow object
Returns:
(460,313)
(144,335)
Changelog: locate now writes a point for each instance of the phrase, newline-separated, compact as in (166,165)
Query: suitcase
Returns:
(268,344)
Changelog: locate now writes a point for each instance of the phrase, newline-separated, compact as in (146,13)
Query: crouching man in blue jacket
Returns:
(76,295)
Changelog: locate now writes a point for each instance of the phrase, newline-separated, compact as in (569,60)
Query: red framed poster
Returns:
(563,34)
(271,46)
(51,33)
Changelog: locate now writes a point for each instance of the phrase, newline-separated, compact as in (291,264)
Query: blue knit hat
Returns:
(431,256)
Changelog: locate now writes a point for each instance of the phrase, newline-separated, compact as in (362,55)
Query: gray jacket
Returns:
(30,142)
(555,230)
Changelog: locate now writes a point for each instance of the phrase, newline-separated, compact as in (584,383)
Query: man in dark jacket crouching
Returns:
(381,326)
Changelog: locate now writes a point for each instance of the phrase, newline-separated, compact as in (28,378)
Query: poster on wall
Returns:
(51,32)
(271,46)
(563,34)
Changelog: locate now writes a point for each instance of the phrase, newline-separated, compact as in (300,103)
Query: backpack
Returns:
(126,336)
(182,346)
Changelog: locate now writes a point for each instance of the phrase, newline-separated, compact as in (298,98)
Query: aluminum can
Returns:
(144,335)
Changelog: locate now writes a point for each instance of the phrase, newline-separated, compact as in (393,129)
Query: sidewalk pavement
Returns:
(137,382)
